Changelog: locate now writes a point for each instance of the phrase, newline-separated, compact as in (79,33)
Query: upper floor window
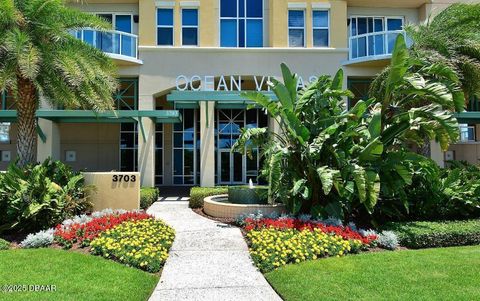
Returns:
(296,28)
(370,36)
(119,22)
(241,23)
(321,24)
(189,27)
(165,26)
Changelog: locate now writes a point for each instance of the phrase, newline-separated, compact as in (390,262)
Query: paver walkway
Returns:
(208,260)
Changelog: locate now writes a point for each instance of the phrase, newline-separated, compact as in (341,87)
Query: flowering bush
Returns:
(68,234)
(276,242)
(142,243)
(291,223)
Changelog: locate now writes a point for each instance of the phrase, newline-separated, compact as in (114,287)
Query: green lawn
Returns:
(429,274)
(76,276)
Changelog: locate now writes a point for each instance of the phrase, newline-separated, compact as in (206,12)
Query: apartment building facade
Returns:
(183,65)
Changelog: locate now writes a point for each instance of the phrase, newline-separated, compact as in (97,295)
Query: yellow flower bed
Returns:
(271,248)
(142,244)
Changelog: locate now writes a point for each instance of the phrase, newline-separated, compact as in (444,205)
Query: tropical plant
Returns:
(40,59)
(451,38)
(332,161)
(40,196)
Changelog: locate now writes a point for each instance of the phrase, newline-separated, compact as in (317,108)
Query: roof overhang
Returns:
(468,117)
(222,99)
(83,116)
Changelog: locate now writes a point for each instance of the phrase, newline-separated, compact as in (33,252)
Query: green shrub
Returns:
(418,235)
(4,245)
(197,194)
(40,196)
(148,196)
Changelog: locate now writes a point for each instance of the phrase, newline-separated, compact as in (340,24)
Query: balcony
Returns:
(372,49)
(120,46)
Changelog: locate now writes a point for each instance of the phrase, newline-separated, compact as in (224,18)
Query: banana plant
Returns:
(328,160)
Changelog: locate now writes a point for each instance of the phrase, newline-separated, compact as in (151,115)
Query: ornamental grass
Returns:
(274,243)
(143,244)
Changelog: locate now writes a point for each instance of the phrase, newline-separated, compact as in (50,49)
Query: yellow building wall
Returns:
(279,22)
(276,22)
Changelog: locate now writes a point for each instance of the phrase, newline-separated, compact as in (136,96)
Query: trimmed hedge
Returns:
(148,196)
(197,194)
(417,235)
(4,245)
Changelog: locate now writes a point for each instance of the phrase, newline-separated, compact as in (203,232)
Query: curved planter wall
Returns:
(217,206)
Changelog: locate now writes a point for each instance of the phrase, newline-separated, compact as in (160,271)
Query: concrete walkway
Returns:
(208,260)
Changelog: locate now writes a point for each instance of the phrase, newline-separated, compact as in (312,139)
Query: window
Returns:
(128,146)
(189,27)
(320,22)
(158,154)
(165,26)
(4,132)
(370,36)
(467,133)
(186,148)
(296,28)
(241,23)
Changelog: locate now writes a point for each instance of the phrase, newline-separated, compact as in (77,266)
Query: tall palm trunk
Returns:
(27,123)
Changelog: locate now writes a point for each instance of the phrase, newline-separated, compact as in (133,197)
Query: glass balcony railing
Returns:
(373,45)
(116,43)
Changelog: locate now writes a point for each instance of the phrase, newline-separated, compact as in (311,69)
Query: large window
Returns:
(241,23)
(165,26)
(321,24)
(296,28)
(128,146)
(467,133)
(189,27)
(235,168)
(186,148)
(370,36)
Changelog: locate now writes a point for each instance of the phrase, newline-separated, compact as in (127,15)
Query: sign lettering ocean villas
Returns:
(230,83)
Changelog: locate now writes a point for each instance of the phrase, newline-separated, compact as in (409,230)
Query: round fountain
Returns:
(241,200)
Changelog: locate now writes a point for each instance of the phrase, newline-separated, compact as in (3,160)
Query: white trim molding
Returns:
(190,4)
(164,4)
(321,5)
(297,5)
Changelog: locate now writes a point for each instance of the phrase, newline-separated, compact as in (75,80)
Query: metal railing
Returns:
(373,44)
(111,42)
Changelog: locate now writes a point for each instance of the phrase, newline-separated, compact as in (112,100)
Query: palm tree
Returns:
(40,59)
(452,38)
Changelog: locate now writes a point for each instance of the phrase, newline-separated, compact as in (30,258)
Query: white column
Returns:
(436,153)
(51,147)
(207,143)
(146,143)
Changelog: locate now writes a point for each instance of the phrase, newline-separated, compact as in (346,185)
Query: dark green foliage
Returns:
(4,245)
(40,196)
(418,235)
(197,194)
(148,196)
(330,160)
(436,194)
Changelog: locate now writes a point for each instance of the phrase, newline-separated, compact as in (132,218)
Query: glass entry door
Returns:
(231,167)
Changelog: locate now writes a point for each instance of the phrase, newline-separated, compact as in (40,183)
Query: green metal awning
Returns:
(223,99)
(468,117)
(83,116)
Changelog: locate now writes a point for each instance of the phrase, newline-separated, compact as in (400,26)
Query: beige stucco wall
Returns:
(115,195)
(96,145)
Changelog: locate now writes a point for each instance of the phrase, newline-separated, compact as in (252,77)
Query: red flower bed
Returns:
(84,233)
(292,223)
